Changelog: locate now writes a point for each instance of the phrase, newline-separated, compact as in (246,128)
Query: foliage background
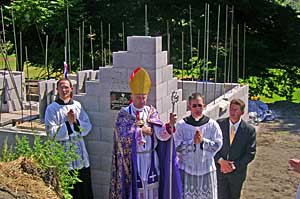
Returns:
(272,32)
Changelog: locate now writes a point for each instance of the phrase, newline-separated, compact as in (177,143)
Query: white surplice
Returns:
(196,161)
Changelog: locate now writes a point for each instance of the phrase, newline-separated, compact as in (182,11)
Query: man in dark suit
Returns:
(238,150)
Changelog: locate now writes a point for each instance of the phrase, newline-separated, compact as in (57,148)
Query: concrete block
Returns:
(124,59)
(100,177)
(15,104)
(102,119)
(95,118)
(120,87)
(167,104)
(161,90)
(105,102)
(182,109)
(95,162)
(105,74)
(93,75)
(212,111)
(107,134)
(93,88)
(49,91)
(99,148)
(167,72)
(97,190)
(156,76)
(105,191)
(157,60)
(107,121)
(89,73)
(120,75)
(106,163)
(179,93)
(81,78)
(42,99)
(159,105)
(100,191)
(144,44)
(172,85)
(89,102)
(94,135)
(133,60)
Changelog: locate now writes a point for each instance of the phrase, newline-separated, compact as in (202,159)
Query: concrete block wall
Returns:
(146,52)
(219,108)
(218,101)
(82,77)
(47,92)
(11,102)
(209,90)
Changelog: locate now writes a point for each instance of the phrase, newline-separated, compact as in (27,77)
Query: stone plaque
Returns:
(119,100)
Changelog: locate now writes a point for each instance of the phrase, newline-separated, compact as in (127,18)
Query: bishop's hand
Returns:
(172,119)
(146,130)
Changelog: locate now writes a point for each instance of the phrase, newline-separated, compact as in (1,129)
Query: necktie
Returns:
(232,134)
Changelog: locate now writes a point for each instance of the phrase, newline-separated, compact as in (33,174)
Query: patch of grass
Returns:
(272,100)
(11,61)
(39,72)
(296,96)
(34,72)
(275,98)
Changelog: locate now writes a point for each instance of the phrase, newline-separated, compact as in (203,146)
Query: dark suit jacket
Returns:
(243,148)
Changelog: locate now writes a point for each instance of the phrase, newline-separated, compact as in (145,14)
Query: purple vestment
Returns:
(124,165)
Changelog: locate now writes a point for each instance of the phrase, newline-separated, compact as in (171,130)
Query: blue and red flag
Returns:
(65,70)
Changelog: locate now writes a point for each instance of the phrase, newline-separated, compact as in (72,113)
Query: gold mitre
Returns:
(139,81)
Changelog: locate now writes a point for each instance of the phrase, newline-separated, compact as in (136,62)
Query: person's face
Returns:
(139,100)
(64,90)
(197,106)
(235,113)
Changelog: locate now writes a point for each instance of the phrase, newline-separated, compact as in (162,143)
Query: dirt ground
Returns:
(269,176)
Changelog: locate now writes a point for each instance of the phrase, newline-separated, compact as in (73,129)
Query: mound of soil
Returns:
(23,179)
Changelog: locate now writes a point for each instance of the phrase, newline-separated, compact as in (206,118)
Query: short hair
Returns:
(195,96)
(64,79)
(238,102)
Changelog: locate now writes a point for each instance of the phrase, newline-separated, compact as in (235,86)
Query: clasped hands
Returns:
(71,117)
(226,166)
(198,137)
